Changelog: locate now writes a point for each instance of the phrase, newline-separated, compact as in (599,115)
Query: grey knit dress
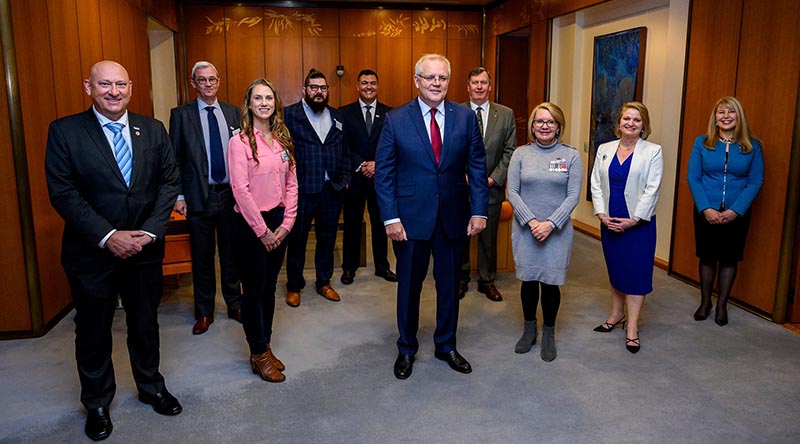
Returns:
(544,183)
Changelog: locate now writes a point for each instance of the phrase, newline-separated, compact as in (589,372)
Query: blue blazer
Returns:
(742,181)
(412,187)
(314,158)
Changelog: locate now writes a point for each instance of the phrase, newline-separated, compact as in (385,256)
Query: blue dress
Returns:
(629,255)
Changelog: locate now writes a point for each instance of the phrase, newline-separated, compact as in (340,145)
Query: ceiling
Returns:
(389,4)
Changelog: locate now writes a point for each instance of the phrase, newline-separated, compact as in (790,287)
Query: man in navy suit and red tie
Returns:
(428,206)
(200,131)
(323,174)
(363,122)
(112,177)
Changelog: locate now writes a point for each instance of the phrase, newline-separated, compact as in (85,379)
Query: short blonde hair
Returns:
(555,111)
(638,106)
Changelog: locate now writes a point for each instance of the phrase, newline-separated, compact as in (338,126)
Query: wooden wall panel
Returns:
(63,18)
(321,47)
(91,42)
(395,64)
(244,43)
(428,33)
(358,49)
(204,28)
(164,11)
(142,63)
(109,30)
(539,65)
(284,49)
(770,38)
(140,94)
(710,74)
(15,313)
(463,50)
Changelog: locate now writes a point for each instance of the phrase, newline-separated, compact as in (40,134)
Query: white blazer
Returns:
(644,179)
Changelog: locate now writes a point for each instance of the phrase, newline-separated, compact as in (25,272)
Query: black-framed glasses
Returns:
(316,88)
(207,81)
(540,123)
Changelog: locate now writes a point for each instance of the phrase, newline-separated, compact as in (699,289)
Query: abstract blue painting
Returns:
(617,77)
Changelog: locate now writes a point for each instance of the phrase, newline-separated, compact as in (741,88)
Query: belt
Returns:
(219,187)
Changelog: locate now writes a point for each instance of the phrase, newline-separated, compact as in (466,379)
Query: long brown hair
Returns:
(741,133)
(276,124)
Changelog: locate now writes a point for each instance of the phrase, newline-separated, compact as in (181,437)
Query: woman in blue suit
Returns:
(726,170)
(625,182)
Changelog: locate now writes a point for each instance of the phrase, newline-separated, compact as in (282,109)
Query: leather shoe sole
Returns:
(388,275)
(162,402)
(455,361)
(98,424)
(403,366)
(348,277)
(202,324)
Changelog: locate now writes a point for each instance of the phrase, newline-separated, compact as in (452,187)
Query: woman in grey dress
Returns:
(544,181)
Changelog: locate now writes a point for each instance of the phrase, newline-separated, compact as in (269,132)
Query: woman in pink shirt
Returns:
(264,183)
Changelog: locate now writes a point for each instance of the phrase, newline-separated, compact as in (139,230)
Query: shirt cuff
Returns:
(391,221)
(103,241)
(482,217)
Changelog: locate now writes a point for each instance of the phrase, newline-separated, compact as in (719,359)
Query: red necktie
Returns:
(436,136)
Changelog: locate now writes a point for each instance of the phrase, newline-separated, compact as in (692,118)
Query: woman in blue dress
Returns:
(625,182)
(726,170)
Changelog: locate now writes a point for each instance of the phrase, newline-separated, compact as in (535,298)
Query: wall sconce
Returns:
(339,70)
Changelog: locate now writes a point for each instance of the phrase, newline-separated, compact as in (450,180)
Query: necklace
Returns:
(726,139)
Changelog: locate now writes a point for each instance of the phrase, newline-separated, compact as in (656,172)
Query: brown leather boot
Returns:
(263,366)
(275,361)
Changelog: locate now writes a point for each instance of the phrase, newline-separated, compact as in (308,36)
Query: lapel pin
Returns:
(137,131)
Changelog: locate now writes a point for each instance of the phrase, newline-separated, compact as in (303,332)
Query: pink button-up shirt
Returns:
(261,186)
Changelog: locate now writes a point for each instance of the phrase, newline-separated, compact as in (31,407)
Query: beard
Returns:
(317,107)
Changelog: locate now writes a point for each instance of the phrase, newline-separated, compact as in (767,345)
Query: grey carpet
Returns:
(693,382)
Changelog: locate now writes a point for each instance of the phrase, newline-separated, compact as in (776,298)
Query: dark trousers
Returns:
(259,272)
(353,210)
(95,297)
(207,230)
(487,249)
(323,209)
(413,257)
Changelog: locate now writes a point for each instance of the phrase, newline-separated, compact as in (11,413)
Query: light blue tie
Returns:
(121,152)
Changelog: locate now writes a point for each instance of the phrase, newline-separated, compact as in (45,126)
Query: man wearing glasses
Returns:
(323,174)
(428,206)
(200,131)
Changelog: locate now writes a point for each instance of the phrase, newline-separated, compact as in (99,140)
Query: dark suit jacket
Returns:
(362,145)
(314,158)
(411,186)
(186,133)
(88,191)
(500,141)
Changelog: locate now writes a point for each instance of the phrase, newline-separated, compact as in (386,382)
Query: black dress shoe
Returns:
(454,360)
(235,314)
(463,286)
(98,424)
(348,277)
(388,275)
(163,402)
(403,366)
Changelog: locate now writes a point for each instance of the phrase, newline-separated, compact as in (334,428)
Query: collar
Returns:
(425,107)
(374,103)
(105,120)
(203,105)
(474,106)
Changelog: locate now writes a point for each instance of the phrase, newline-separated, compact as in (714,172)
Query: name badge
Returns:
(338,124)
(235,131)
(559,166)
(284,156)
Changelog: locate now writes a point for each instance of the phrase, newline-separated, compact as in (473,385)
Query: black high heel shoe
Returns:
(606,327)
(633,345)
(721,317)
(702,311)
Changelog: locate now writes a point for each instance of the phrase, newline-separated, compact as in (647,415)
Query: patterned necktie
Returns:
(368,119)
(480,119)
(436,136)
(215,140)
(122,153)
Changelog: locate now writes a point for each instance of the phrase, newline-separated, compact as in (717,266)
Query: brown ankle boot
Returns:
(275,361)
(263,366)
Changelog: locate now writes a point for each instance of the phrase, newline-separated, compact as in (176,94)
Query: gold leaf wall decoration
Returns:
(277,22)
(422,25)
(218,26)
(314,28)
(467,29)
(365,34)
(394,27)
(250,21)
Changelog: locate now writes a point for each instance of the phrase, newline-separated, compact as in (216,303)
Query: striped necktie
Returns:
(122,153)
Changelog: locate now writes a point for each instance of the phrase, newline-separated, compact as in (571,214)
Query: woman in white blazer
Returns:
(625,181)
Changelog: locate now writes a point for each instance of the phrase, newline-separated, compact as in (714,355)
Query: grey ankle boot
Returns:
(528,338)
(548,343)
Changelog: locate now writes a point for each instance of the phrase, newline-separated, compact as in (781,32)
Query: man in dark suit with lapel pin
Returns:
(363,122)
(428,206)
(200,131)
(323,174)
(500,140)
(112,177)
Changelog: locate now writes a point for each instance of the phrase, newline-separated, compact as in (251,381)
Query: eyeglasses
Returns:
(540,123)
(107,85)
(431,79)
(206,81)
(316,88)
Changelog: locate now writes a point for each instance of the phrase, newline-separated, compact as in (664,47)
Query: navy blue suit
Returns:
(319,200)
(434,203)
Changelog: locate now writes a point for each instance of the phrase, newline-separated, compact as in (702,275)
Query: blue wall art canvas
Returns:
(617,78)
